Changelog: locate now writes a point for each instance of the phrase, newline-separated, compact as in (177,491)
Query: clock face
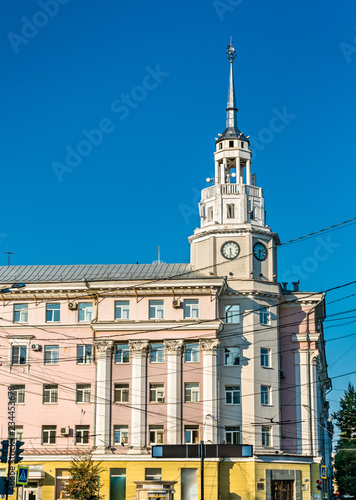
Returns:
(230,250)
(260,251)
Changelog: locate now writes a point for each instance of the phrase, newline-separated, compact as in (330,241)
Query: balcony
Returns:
(231,189)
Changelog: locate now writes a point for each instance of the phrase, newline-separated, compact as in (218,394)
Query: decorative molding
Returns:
(139,346)
(174,346)
(153,325)
(104,346)
(210,345)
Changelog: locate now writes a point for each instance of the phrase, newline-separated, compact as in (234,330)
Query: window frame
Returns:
(266,356)
(156,430)
(52,349)
(232,317)
(191,392)
(19,347)
(81,435)
(53,311)
(53,390)
(123,306)
(23,312)
(266,432)
(19,389)
(84,390)
(155,309)
(191,308)
(86,308)
(191,429)
(154,390)
(230,210)
(233,356)
(235,431)
(121,429)
(265,316)
(156,352)
(266,395)
(233,391)
(121,389)
(191,352)
(16,433)
(125,352)
(50,429)
(85,354)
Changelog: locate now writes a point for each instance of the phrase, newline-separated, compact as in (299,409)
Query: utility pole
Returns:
(201,470)
(8,256)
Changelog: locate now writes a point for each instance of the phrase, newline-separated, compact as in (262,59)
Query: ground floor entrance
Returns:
(281,490)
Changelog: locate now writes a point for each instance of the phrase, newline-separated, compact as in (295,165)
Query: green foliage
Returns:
(345,459)
(84,478)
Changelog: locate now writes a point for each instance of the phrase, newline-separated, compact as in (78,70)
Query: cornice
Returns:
(161,325)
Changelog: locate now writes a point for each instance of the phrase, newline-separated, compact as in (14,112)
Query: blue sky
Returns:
(138,187)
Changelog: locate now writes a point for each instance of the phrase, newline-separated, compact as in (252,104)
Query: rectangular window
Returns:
(231,144)
(232,435)
(265,357)
(122,353)
(85,312)
(232,356)
(232,313)
(153,474)
(191,392)
(210,214)
(16,433)
(49,434)
(122,309)
(264,316)
(156,434)
(121,434)
(83,393)
(84,354)
(266,435)
(265,395)
(232,394)
(191,308)
(121,393)
(156,393)
(53,313)
(191,353)
(20,313)
(19,355)
(230,211)
(81,434)
(191,434)
(19,393)
(51,354)
(50,394)
(156,309)
(242,145)
(157,353)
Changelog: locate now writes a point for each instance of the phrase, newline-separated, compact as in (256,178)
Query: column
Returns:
(238,171)
(222,171)
(210,396)
(173,395)
(302,401)
(248,172)
(217,181)
(103,394)
(138,353)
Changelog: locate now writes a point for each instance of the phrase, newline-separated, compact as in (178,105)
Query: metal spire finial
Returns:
(231,119)
(231,54)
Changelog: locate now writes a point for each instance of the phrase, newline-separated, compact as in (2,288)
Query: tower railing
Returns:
(231,189)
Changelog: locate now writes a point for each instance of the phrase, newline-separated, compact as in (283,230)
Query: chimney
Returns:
(295,286)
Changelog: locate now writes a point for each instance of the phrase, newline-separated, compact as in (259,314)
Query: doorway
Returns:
(282,490)
(30,491)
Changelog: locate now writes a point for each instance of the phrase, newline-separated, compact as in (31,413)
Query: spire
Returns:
(231,118)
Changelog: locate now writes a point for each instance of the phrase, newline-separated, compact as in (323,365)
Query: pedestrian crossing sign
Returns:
(22,475)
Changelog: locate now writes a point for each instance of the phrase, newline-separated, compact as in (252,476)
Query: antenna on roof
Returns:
(158,261)
(8,256)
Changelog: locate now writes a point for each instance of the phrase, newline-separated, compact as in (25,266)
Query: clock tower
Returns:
(233,238)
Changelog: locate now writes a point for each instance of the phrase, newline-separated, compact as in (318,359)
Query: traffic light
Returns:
(11,485)
(318,484)
(18,451)
(4,451)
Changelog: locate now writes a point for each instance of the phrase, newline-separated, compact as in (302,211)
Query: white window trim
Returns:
(87,428)
(127,348)
(239,357)
(197,350)
(189,308)
(48,443)
(269,356)
(238,390)
(156,307)
(121,389)
(269,395)
(161,430)
(18,341)
(52,391)
(122,308)
(121,428)
(86,312)
(191,391)
(270,436)
(83,391)
(157,388)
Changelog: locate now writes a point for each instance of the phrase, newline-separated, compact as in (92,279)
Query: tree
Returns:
(345,459)
(84,478)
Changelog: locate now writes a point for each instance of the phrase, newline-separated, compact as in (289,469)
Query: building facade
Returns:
(119,358)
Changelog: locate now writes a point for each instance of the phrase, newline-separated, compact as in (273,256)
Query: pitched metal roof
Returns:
(107,272)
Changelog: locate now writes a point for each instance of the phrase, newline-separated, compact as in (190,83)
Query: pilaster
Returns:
(210,400)
(174,351)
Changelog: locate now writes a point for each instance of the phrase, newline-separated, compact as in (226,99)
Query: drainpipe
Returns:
(95,320)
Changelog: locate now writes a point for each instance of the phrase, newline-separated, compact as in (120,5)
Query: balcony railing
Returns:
(231,189)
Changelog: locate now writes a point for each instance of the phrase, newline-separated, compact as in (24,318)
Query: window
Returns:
(122,353)
(230,211)
(156,434)
(122,309)
(232,313)
(85,311)
(19,355)
(156,309)
(81,434)
(210,213)
(266,435)
(83,393)
(53,313)
(16,432)
(191,308)
(157,353)
(50,394)
(84,353)
(156,393)
(189,484)
(121,434)
(191,353)
(153,474)
(242,145)
(231,356)
(265,395)
(19,393)
(232,435)
(220,145)
(231,144)
(20,313)
(265,357)
(264,316)
(121,393)
(191,434)
(51,354)
(191,392)
(49,434)
(232,394)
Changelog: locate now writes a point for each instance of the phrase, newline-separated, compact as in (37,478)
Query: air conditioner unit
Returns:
(176,304)
(72,305)
(36,347)
(160,399)
(65,431)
